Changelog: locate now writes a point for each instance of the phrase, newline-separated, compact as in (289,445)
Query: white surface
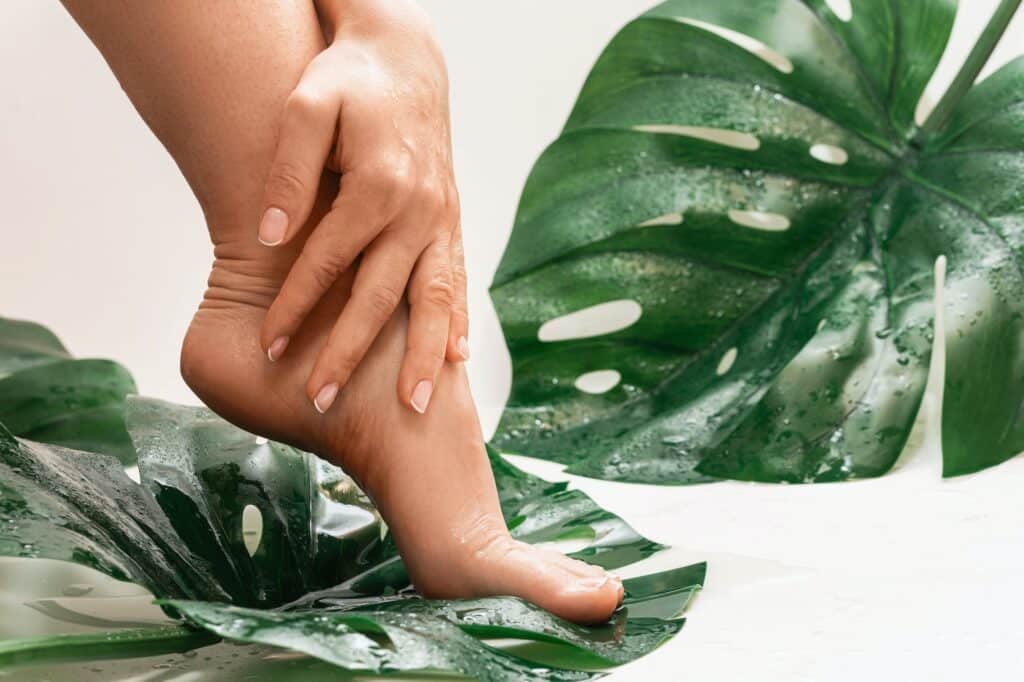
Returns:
(904,577)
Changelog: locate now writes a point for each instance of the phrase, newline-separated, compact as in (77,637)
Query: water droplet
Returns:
(77,590)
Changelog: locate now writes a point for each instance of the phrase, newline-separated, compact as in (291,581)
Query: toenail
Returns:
(594,583)
(273,225)
(325,398)
(277,348)
(463,347)
(421,396)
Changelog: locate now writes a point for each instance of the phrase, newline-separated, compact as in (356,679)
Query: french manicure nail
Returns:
(421,396)
(277,348)
(325,398)
(273,225)
(463,347)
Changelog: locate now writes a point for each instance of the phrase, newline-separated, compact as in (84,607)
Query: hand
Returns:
(373,106)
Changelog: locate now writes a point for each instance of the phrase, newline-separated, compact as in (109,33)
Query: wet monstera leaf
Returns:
(204,473)
(49,397)
(723,267)
(322,576)
(344,633)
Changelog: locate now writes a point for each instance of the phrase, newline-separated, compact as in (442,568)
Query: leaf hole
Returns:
(663,220)
(722,136)
(748,43)
(596,320)
(827,153)
(727,361)
(841,8)
(598,382)
(252,528)
(760,220)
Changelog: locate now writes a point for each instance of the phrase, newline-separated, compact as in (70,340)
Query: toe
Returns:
(575,566)
(585,600)
(568,588)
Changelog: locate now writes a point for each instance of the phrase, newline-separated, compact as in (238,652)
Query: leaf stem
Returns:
(133,643)
(976,61)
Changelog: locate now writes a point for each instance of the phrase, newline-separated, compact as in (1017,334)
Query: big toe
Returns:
(568,588)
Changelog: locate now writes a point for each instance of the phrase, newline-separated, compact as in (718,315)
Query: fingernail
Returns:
(273,226)
(463,347)
(325,398)
(421,396)
(277,348)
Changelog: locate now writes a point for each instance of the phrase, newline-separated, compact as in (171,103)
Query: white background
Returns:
(904,577)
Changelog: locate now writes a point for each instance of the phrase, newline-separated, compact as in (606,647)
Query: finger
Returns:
(328,253)
(377,290)
(367,202)
(430,303)
(458,332)
(304,143)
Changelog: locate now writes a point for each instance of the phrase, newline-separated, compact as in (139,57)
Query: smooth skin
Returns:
(212,80)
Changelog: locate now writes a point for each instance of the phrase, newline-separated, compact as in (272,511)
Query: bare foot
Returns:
(428,474)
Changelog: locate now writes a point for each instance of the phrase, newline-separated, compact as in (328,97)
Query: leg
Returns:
(211,79)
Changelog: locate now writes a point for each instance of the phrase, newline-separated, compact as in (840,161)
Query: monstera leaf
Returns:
(323,576)
(343,634)
(46,395)
(745,180)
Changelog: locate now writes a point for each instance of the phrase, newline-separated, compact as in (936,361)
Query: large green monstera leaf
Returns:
(743,180)
(323,577)
(46,395)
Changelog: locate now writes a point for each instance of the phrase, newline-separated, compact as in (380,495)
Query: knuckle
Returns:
(382,300)
(402,178)
(285,181)
(456,249)
(430,196)
(303,104)
(459,275)
(438,290)
(334,254)
(387,183)
(344,362)
(324,269)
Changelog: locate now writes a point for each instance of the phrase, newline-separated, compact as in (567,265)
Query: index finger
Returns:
(308,132)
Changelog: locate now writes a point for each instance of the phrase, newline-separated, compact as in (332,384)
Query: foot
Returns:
(428,474)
